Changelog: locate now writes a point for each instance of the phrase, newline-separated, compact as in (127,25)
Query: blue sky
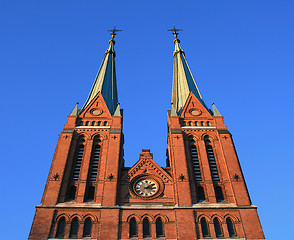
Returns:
(241,56)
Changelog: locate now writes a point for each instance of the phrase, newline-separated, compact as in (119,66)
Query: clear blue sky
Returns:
(240,53)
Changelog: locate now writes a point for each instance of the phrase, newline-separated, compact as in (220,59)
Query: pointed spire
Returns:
(215,111)
(117,111)
(105,81)
(183,80)
(75,110)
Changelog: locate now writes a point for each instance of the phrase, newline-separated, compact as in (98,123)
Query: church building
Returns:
(200,194)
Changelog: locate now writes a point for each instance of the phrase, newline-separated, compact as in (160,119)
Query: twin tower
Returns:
(199,194)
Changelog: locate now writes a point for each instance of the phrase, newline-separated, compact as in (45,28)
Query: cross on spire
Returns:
(113,32)
(175,31)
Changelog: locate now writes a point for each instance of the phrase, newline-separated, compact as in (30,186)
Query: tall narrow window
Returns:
(219,194)
(74,228)
(105,123)
(231,228)
(146,228)
(90,193)
(217,228)
(200,194)
(93,123)
(211,160)
(78,159)
(204,228)
(159,228)
(71,193)
(195,162)
(133,227)
(95,159)
(87,228)
(60,228)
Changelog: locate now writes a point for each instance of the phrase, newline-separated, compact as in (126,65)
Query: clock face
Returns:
(146,187)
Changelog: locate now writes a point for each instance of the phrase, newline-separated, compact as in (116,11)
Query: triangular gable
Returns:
(194,108)
(147,166)
(96,108)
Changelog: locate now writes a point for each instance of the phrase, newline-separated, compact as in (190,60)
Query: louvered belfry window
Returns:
(195,162)
(211,160)
(79,158)
(95,159)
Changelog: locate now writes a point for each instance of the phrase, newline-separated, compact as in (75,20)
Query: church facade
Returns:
(200,193)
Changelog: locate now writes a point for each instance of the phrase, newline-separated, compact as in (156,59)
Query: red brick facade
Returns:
(196,196)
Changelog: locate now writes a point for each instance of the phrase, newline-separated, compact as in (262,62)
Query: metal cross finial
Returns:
(113,32)
(175,31)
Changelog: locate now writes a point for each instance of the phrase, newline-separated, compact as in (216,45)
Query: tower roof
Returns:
(183,80)
(105,81)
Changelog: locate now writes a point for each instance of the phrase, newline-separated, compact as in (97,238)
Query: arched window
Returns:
(74,228)
(219,194)
(94,159)
(133,227)
(231,228)
(159,228)
(195,162)
(60,228)
(202,123)
(105,123)
(93,123)
(217,228)
(208,123)
(71,193)
(211,160)
(204,228)
(200,194)
(87,228)
(78,159)
(87,123)
(90,193)
(196,123)
(99,123)
(146,228)
(190,123)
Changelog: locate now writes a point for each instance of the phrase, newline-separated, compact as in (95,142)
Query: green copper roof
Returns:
(215,111)
(105,81)
(183,80)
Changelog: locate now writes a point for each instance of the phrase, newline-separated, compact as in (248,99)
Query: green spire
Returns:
(75,110)
(215,111)
(183,80)
(105,81)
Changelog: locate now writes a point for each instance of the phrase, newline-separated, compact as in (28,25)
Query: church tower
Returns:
(200,193)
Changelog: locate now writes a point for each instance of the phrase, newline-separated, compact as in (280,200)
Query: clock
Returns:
(195,112)
(146,187)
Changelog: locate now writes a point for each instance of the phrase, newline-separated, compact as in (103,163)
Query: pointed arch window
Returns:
(159,228)
(60,228)
(146,228)
(195,161)
(87,228)
(217,228)
(219,194)
(204,228)
(211,160)
(231,228)
(95,159)
(74,228)
(200,194)
(78,159)
(133,227)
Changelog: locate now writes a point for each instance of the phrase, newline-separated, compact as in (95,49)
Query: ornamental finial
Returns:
(175,31)
(113,32)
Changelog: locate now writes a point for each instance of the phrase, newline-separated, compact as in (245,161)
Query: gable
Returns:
(147,166)
(194,108)
(96,108)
